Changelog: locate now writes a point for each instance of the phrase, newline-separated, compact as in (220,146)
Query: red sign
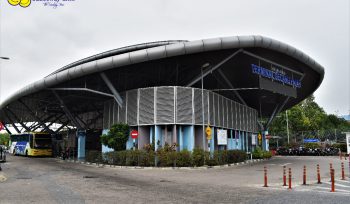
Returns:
(1,126)
(134,134)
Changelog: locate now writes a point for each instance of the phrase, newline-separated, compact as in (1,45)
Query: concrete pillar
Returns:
(212,144)
(181,139)
(188,137)
(81,143)
(157,136)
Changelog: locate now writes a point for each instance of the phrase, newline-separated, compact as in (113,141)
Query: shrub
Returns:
(257,153)
(267,155)
(235,156)
(184,158)
(341,146)
(312,145)
(198,156)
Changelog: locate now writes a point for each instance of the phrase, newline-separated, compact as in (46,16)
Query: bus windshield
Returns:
(42,141)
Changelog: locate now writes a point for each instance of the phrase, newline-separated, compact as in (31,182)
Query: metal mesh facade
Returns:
(165,105)
(179,105)
(146,106)
(184,106)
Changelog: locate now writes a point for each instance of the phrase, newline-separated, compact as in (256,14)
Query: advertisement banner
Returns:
(254,136)
(222,137)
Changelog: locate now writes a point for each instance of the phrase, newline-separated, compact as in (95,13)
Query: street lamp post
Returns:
(287,125)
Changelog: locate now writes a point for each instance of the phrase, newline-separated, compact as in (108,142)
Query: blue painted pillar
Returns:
(188,137)
(181,138)
(212,144)
(247,141)
(151,135)
(263,135)
(81,143)
(157,136)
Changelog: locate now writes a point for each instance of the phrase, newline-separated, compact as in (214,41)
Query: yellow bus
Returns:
(31,144)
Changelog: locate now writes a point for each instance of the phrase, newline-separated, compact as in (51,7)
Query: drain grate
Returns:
(23,178)
(90,177)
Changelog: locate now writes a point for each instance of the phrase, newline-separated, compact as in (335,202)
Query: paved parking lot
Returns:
(48,180)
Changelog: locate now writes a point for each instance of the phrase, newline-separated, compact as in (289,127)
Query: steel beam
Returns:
(66,111)
(7,130)
(217,66)
(232,87)
(276,112)
(11,121)
(115,93)
(82,89)
(19,121)
(35,116)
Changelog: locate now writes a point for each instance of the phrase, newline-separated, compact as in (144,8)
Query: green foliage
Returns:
(258,153)
(198,156)
(4,139)
(168,157)
(308,120)
(312,145)
(117,137)
(341,146)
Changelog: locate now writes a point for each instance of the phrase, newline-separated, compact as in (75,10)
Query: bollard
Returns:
(332,180)
(342,171)
(304,175)
(265,177)
(330,168)
(284,176)
(290,178)
(318,174)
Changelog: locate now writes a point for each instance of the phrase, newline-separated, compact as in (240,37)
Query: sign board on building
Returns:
(254,136)
(222,137)
(311,140)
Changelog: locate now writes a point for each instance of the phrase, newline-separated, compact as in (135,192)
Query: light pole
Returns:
(203,132)
(287,125)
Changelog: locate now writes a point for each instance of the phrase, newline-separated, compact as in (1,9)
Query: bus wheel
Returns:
(26,153)
(14,152)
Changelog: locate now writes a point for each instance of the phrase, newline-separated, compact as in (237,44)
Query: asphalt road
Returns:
(49,180)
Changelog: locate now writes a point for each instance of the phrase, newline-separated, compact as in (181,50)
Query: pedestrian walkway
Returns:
(341,187)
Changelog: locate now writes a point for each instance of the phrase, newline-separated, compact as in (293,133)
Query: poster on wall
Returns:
(222,137)
(254,136)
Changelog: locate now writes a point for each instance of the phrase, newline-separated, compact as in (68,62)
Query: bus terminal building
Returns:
(170,91)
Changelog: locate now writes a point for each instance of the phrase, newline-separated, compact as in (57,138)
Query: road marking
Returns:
(285,164)
(339,190)
(345,181)
(337,184)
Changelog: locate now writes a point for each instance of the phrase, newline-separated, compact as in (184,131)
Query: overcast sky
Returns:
(40,39)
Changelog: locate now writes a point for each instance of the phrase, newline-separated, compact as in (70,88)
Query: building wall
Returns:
(179,105)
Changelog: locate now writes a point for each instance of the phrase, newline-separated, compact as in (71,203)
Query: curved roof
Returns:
(160,50)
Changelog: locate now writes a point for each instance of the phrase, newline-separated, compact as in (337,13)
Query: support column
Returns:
(212,144)
(105,148)
(157,136)
(181,139)
(81,144)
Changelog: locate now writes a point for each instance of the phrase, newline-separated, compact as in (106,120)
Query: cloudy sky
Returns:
(40,39)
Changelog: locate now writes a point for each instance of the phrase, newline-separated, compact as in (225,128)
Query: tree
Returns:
(4,139)
(117,137)
(308,120)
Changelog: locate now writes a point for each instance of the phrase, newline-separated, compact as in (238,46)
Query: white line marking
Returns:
(337,184)
(337,190)
(285,164)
